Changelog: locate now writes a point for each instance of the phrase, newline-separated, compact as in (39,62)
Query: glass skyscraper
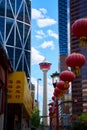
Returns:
(15,33)
(63,42)
(63,33)
(65,108)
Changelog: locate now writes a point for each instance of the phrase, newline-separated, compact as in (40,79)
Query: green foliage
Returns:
(82,124)
(35,120)
(83,117)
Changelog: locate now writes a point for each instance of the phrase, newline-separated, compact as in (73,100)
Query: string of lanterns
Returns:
(75,61)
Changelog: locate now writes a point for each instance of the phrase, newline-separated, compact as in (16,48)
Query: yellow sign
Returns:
(18,90)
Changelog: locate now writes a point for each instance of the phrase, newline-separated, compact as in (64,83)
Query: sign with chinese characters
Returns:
(18,90)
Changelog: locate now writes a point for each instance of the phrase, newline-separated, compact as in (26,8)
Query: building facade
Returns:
(15,33)
(5,68)
(63,33)
(78,9)
(19,102)
(65,108)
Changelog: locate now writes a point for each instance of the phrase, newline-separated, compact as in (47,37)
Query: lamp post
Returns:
(55,78)
(37,91)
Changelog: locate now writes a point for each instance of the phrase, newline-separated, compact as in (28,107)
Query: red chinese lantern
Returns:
(50,114)
(79,29)
(75,60)
(53,98)
(67,76)
(55,109)
(50,109)
(61,85)
(52,103)
(58,93)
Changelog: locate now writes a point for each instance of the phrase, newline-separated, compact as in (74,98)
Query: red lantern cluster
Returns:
(79,29)
(60,89)
(75,60)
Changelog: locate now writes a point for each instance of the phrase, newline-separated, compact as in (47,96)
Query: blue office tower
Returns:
(15,33)
(65,108)
(63,32)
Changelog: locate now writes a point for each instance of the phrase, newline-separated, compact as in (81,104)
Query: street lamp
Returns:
(37,90)
(55,79)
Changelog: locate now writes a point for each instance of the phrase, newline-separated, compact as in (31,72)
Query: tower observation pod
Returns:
(45,66)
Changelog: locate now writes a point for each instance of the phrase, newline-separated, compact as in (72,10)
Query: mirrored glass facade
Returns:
(63,52)
(63,33)
(63,41)
(15,33)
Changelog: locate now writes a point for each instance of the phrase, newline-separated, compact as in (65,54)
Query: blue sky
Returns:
(44,41)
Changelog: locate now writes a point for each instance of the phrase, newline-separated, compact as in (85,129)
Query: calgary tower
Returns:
(45,66)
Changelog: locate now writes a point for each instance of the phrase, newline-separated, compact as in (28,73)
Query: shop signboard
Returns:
(18,90)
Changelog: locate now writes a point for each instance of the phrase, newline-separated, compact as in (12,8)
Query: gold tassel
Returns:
(77,70)
(66,84)
(82,41)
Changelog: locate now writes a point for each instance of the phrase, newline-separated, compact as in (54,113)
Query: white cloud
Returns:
(43,10)
(40,34)
(52,34)
(46,44)
(36,14)
(41,19)
(45,22)
(36,57)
